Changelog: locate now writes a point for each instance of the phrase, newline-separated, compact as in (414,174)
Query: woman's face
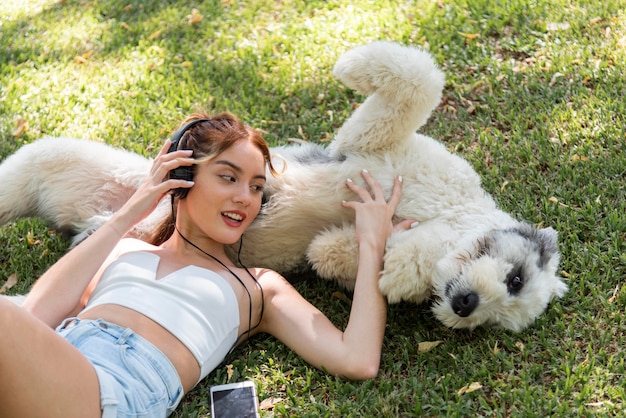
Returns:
(226,196)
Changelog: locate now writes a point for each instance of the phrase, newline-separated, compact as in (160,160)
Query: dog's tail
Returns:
(404,85)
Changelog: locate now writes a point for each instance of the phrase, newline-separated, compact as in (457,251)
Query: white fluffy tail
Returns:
(404,85)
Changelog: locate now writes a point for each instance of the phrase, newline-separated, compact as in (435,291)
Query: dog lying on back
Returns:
(480,265)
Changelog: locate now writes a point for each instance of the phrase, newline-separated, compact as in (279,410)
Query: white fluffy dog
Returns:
(481,265)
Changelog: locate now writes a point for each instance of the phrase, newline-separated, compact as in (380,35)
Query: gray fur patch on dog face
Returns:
(546,240)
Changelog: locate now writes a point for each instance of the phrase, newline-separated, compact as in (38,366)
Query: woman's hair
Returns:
(208,139)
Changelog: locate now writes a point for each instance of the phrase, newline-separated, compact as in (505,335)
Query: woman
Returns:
(141,324)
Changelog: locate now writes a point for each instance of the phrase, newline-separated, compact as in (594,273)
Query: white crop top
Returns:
(196,305)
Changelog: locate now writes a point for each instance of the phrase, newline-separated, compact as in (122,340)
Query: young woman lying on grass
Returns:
(119,326)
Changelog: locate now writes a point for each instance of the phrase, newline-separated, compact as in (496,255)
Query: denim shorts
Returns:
(136,379)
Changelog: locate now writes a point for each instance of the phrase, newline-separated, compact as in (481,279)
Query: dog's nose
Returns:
(464,304)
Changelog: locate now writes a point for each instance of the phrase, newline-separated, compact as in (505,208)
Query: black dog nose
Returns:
(464,304)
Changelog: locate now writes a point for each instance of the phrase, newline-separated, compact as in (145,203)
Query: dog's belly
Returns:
(307,197)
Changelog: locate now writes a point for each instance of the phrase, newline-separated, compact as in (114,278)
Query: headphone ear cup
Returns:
(182,173)
(186,172)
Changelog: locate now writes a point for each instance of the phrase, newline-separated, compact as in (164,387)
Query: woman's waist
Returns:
(183,360)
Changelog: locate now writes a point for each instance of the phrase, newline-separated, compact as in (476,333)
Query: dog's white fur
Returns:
(482,266)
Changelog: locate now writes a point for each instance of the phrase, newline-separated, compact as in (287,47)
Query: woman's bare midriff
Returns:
(182,359)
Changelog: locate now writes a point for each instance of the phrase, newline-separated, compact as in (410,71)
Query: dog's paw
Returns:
(406,272)
(88,227)
(333,254)
(392,69)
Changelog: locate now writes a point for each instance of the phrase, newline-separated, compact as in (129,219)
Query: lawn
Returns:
(534,99)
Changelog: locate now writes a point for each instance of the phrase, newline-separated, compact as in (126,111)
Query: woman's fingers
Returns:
(405,224)
(167,161)
(396,193)
(375,188)
(375,191)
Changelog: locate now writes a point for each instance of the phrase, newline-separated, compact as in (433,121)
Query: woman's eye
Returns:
(228,177)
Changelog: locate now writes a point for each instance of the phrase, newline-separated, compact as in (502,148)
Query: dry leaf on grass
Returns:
(469,388)
(301,132)
(31,240)
(11,281)
(615,292)
(21,126)
(579,158)
(82,59)
(426,346)
(470,36)
(195,17)
(269,403)
(342,296)
(154,35)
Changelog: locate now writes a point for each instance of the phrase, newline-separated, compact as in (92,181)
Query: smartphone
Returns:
(234,400)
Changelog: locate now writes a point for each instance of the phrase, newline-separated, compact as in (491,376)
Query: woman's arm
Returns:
(355,352)
(58,292)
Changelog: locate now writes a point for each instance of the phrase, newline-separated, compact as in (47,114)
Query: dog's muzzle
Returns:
(464,304)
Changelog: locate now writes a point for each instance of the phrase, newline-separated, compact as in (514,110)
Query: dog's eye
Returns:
(515,282)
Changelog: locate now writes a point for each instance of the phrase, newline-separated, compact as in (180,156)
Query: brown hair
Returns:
(208,139)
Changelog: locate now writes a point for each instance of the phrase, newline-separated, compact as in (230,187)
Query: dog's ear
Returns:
(548,243)
(549,258)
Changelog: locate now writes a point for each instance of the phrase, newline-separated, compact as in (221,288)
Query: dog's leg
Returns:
(403,84)
(18,193)
(334,254)
(67,181)
(410,258)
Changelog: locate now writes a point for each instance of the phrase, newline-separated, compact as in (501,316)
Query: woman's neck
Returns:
(187,244)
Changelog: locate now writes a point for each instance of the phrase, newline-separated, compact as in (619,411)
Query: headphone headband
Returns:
(179,134)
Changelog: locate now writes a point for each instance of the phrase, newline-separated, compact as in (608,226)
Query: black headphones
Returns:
(183,172)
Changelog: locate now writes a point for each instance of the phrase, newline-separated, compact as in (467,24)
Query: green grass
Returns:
(534,99)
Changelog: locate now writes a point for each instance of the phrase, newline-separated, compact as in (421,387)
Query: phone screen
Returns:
(235,402)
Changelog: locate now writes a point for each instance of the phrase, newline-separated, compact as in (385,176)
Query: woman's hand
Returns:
(156,186)
(374,214)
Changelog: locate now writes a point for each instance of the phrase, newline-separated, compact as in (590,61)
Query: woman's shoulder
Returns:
(127,245)
(272,281)
(265,274)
